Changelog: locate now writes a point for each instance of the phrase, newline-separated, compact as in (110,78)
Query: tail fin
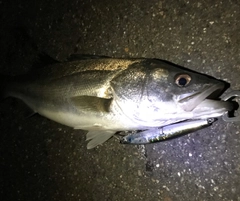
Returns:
(5,81)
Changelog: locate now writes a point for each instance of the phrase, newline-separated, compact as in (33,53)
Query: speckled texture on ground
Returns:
(42,160)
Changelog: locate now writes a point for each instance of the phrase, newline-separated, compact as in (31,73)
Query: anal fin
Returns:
(30,115)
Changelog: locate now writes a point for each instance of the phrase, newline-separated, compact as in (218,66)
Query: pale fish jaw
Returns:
(211,108)
(193,100)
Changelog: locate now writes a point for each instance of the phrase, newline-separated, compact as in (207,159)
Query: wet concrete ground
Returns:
(43,160)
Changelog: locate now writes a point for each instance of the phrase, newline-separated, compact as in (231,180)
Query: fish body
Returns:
(106,95)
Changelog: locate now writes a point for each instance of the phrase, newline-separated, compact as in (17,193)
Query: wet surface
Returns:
(43,160)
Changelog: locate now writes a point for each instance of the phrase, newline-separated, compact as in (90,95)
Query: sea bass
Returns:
(106,95)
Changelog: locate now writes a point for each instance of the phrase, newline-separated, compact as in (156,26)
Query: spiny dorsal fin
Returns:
(91,103)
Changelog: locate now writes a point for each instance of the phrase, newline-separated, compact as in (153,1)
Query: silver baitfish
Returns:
(106,95)
(166,132)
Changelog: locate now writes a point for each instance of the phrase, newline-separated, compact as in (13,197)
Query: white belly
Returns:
(88,122)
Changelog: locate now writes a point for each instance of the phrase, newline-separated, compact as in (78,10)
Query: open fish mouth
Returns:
(206,101)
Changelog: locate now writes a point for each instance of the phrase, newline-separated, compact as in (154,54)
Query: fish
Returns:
(166,132)
(104,95)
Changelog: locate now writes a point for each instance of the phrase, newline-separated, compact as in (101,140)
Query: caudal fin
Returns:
(5,81)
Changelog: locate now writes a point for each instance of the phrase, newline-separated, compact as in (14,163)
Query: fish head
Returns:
(154,90)
(185,93)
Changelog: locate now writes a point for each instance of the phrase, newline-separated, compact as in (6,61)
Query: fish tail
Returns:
(5,82)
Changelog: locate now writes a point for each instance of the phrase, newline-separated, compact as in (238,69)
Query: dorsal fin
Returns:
(43,60)
(76,57)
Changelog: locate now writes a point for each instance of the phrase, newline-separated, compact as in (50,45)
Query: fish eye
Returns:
(182,80)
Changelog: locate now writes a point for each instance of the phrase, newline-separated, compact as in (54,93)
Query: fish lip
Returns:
(191,101)
(212,108)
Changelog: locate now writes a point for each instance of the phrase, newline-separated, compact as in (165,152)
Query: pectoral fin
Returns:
(91,103)
(98,137)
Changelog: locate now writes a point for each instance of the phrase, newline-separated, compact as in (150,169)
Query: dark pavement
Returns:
(43,160)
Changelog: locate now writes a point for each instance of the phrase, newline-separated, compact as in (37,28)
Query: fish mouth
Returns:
(205,101)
